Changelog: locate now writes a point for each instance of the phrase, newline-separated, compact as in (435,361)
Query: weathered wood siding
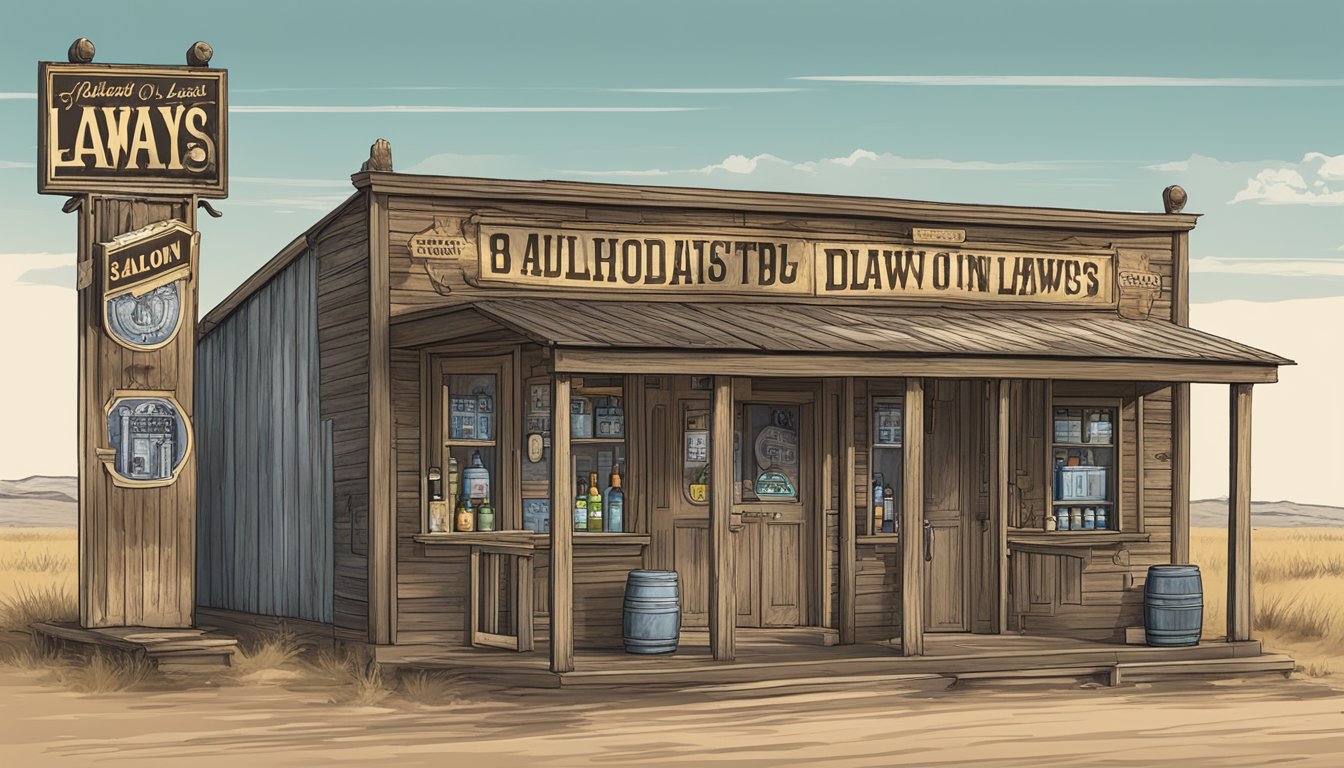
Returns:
(1094,592)
(264,528)
(342,250)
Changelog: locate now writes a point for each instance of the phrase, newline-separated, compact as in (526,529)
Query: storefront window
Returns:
(887,473)
(768,460)
(1083,447)
(597,422)
(695,455)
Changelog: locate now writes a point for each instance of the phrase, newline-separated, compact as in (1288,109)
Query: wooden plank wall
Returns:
(263,533)
(1097,592)
(343,348)
(136,545)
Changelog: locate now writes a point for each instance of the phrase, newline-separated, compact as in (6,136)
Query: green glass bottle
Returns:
(594,505)
(485,516)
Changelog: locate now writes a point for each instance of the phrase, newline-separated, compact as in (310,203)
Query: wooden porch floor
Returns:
(799,655)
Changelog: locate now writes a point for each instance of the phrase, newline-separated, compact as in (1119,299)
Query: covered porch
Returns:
(734,344)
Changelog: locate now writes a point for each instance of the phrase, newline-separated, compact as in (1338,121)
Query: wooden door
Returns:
(774,500)
(684,522)
(945,519)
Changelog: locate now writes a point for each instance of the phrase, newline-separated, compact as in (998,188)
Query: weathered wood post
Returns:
(562,530)
(848,505)
(1239,613)
(912,522)
(722,548)
(135,145)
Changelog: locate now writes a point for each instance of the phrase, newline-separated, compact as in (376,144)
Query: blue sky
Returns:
(1076,104)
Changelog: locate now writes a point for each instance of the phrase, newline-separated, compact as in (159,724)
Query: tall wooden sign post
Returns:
(135,147)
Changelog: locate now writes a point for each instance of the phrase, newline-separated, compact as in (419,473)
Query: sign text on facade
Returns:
(772,265)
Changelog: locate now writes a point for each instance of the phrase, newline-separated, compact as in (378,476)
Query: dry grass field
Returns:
(283,704)
(1297,588)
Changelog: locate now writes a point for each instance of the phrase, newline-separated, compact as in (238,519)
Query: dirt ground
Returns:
(292,721)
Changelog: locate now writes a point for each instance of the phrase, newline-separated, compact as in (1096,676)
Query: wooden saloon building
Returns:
(861,430)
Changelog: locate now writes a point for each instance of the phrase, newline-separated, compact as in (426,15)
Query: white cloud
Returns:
(279,182)
(7,164)
(432,109)
(741,164)
(856,161)
(706,90)
(886,160)
(1302,183)
(4,95)
(1270,267)
(1079,81)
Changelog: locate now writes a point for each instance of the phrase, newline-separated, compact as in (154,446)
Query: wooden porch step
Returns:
(167,649)
(1039,673)
(1152,671)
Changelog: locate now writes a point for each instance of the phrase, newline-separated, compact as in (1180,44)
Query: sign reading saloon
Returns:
(132,128)
(156,255)
(691,264)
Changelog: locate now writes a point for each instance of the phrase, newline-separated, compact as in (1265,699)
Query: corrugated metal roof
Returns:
(755,327)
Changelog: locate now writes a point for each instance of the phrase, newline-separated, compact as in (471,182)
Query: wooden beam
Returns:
(1180,407)
(848,479)
(1000,500)
(1239,515)
(1140,454)
(762,364)
(722,548)
(382,466)
(912,522)
(562,530)
(773,203)
(1180,473)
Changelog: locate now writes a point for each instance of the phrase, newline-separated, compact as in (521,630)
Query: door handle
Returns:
(928,541)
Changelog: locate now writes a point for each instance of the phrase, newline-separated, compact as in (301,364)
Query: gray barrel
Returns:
(1173,605)
(652,612)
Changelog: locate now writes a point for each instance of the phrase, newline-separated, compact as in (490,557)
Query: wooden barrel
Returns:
(652,612)
(1173,605)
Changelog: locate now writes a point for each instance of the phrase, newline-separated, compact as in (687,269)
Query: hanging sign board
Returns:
(156,255)
(143,276)
(132,128)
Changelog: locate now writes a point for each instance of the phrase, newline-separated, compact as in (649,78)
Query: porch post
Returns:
(1001,499)
(562,531)
(912,522)
(722,552)
(848,587)
(1239,515)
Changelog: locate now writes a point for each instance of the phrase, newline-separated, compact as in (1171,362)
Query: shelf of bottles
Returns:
(460,497)
(1083,447)
(597,435)
(886,462)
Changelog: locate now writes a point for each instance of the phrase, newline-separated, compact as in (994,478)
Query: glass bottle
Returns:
(594,505)
(888,510)
(877,502)
(466,520)
(581,505)
(485,516)
(614,504)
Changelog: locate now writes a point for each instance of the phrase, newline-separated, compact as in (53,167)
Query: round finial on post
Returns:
(1174,198)
(198,55)
(81,51)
